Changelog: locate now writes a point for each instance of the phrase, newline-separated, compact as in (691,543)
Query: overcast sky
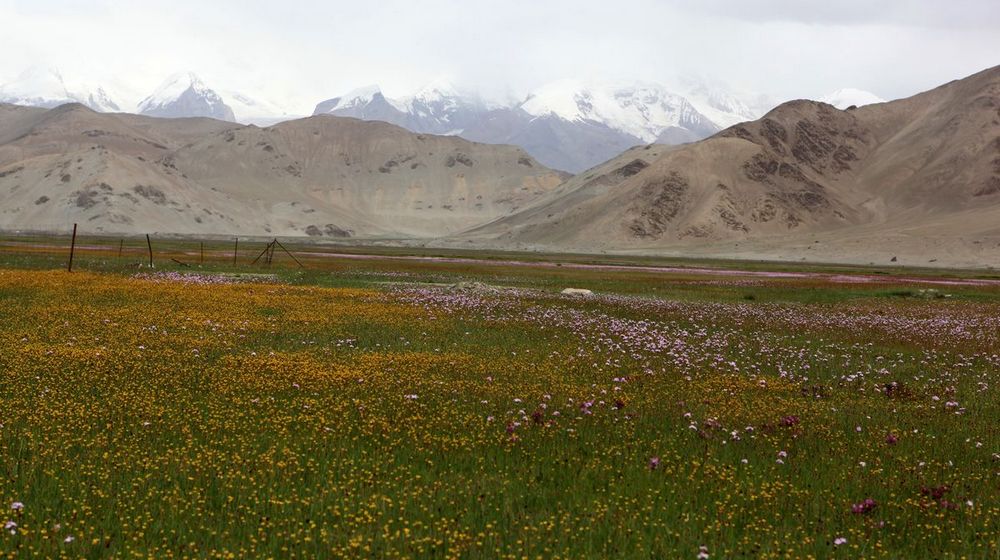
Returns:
(298,52)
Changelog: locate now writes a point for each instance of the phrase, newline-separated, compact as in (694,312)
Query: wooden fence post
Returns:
(150,245)
(236,246)
(202,261)
(72,249)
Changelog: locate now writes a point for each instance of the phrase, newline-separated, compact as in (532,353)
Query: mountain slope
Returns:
(905,170)
(399,182)
(322,176)
(554,141)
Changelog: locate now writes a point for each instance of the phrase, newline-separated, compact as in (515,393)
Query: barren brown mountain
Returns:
(917,179)
(321,176)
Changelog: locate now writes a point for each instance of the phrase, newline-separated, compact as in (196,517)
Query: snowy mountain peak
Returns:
(40,79)
(441,107)
(42,86)
(367,103)
(100,100)
(357,98)
(185,95)
(173,87)
(847,97)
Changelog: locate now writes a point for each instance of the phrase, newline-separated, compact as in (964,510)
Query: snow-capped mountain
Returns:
(45,87)
(442,109)
(721,107)
(366,103)
(848,97)
(437,108)
(644,111)
(185,95)
(99,100)
(722,104)
(567,125)
(354,99)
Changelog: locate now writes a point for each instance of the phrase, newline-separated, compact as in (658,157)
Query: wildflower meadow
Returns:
(385,408)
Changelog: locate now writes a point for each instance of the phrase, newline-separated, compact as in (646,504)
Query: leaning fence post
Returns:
(150,245)
(235,247)
(262,253)
(72,249)
(289,254)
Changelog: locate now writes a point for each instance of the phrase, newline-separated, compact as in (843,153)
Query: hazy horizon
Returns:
(296,54)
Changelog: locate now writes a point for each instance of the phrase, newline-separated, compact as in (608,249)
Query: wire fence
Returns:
(75,248)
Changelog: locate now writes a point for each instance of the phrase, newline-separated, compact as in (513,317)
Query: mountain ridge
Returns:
(320,177)
(567,124)
(917,177)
